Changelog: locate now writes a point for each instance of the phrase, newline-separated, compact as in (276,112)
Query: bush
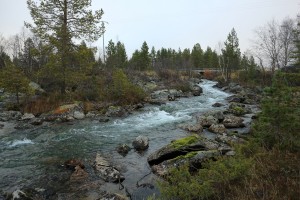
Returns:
(122,91)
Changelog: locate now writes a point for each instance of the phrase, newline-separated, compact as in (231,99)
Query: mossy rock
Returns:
(183,142)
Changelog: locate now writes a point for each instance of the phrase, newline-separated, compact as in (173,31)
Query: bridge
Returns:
(202,70)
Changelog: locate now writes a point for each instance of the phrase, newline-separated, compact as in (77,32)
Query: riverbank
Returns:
(59,142)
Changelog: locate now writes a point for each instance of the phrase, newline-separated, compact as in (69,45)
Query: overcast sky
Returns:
(170,23)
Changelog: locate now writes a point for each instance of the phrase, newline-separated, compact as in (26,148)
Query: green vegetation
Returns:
(185,141)
(265,167)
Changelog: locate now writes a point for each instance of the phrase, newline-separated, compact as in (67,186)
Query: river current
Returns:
(35,157)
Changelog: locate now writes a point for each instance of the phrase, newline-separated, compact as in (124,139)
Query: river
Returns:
(34,158)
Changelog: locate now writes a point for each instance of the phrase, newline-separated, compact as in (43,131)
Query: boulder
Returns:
(218,114)
(197,90)
(106,171)
(197,128)
(72,163)
(177,148)
(141,143)
(103,119)
(171,97)
(123,149)
(224,138)
(78,115)
(37,122)
(217,128)
(10,115)
(231,121)
(238,109)
(78,175)
(23,126)
(207,121)
(36,88)
(27,116)
(115,111)
(217,105)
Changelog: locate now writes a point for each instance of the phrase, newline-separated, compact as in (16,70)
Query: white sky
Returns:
(170,23)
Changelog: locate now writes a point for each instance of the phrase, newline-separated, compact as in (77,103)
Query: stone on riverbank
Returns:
(231,121)
(217,128)
(141,143)
(207,121)
(106,171)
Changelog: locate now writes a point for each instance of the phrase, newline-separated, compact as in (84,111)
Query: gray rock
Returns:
(123,149)
(116,111)
(197,90)
(192,127)
(37,122)
(231,121)
(141,143)
(201,156)
(224,138)
(10,115)
(36,88)
(78,115)
(103,119)
(106,171)
(217,105)
(218,114)
(207,121)
(27,116)
(217,128)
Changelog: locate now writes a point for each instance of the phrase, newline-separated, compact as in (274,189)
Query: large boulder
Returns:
(197,90)
(106,171)
(141,143)
(217,128)
(177,148)
(207,121)
(231,121)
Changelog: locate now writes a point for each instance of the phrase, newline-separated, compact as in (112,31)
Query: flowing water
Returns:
(34,157)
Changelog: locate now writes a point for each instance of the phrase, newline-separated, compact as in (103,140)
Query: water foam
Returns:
(20,142)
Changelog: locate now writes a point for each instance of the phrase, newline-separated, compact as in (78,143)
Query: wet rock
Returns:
(37,121)
(103,119)
(177,148)
(106,171)
(171,97)
(231,121)
(79,174)
(23,126)
(207,121)
(197,90)
(25,194)
(115,111)
(123,149)
(218,114)
(197,128)
(141,143)
(72,163)
(1,126)
(217,105)
(78,115)
(27,116)
(234,87)
(10,115)
(238,109)
(217,128)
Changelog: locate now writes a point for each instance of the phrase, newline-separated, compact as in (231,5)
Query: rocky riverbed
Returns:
(35,149)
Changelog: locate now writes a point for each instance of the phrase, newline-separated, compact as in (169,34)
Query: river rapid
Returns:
(34,158)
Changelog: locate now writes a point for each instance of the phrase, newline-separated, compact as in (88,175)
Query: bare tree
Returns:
(274,44)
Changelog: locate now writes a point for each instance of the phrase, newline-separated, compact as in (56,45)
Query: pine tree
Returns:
(61,21)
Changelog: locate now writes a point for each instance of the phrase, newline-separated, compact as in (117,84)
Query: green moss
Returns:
(186,156)
(185,141)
